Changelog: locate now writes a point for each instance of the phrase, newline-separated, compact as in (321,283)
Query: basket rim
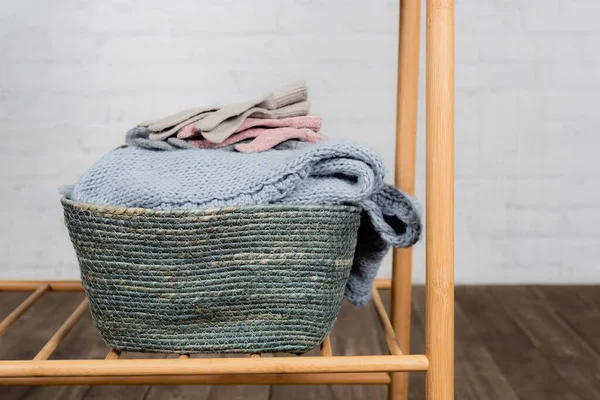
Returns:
(83,206)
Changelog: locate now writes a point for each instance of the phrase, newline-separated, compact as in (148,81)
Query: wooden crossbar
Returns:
(29,286)
(23,307)
(383,283)
(212,366)
(388,330)
(62,332)
(113,355)
(322,369)
(326,347)
(373,378)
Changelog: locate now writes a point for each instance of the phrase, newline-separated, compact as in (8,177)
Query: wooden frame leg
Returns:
(439,329)
(406,134)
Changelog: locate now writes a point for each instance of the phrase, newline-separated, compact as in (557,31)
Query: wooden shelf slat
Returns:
(113,354)
(28,286)
(326,347)
(372,378)
(323,369)
(388,330)
(212,366)
(62,332)
(23,307)
(383,283)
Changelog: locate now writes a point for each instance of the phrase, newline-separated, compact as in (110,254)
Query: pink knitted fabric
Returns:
(312,122)
(268,139)
(265,138)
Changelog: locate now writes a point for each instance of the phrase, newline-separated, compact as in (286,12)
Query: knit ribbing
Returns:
(291,94)
(294,93)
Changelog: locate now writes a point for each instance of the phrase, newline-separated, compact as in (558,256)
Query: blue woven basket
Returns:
(251,279)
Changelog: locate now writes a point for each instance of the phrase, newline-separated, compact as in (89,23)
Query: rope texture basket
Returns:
(252,279)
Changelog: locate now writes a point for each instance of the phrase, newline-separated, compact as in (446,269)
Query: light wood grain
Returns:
(406,149)
(212,366)
(113,355)
(383,283)
(62,332)
(326,347)
(390,336)
(476,374)
(22,308)
(439,335)
(28,286)
(375,378)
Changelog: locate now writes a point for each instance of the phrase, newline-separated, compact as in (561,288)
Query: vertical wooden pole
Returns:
(439,335)
(406,143)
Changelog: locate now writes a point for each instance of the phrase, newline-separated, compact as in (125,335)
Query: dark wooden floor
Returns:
(512,342)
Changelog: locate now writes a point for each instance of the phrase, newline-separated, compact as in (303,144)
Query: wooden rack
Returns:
(389,369)
(325,368)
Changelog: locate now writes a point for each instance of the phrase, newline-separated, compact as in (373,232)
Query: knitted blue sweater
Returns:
(327,173)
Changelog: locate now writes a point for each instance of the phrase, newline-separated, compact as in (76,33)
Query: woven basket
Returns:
(226,280)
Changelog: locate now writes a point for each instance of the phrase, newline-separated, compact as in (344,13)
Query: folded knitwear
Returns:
(229,126)
(312,122)
(327,172)
(218,122)
(263,139)
(140,137)
(267,133)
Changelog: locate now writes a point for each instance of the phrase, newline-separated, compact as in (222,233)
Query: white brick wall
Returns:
(75,75)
